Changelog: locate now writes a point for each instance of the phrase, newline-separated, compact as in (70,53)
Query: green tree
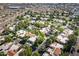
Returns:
(36,53)
(27,51)
(20,17)
(76,32)
(38,18)
(22,25)
(3,54)
(72,39)
(51,16)
(41,37)
(60,29)
(8,39)
(53,38)
(48,42)
(70,43)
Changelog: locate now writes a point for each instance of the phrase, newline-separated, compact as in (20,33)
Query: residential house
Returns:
(57,52)
(59,20)
(50,51)
(68,31)
(53,49)
(12,28)
(17,54)
(44,19)
(33,18)
(11,53)
(45,30)
(2,39)
(62,38)
(26,16)
(42,22)
(13,49)
(30,34)
(5,47)
(56,45)
(21,33)
(31,40)
(45,54)
(33,21)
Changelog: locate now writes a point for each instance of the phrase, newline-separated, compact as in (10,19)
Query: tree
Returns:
(51,16)
(53,38)
(22,25)
(39,24)
(72,39)
(27,51)
(60,29)
(41,37)
(20,17)
(64,53)
(2,54)
(38,18)
(48,42)
(70,43)
(76,32)
(36,53)
(56,33)
(8,39)
(46,23)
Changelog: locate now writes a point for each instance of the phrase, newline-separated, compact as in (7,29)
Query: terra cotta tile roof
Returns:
(57,51)
(11,53)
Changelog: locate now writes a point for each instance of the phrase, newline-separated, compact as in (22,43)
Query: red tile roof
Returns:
(57,51)
(11,53)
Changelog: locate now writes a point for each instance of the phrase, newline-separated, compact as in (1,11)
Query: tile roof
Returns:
(11,53)
(57,51)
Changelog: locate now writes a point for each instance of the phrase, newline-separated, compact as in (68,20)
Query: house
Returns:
(11,53)
(45,30)
(2,39)
(31,40)
(31,27)
(5,46)
(44,18)
(62,38)
(21,33)
(50,51)
(33,18)
(33,21)
(68,31)
(30,34)
(59,20)
(12,28)
(17,54)
(47,16)
(56,45)
(57,52)
(13,49)
(45,54)
(42,22)
(26,16)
